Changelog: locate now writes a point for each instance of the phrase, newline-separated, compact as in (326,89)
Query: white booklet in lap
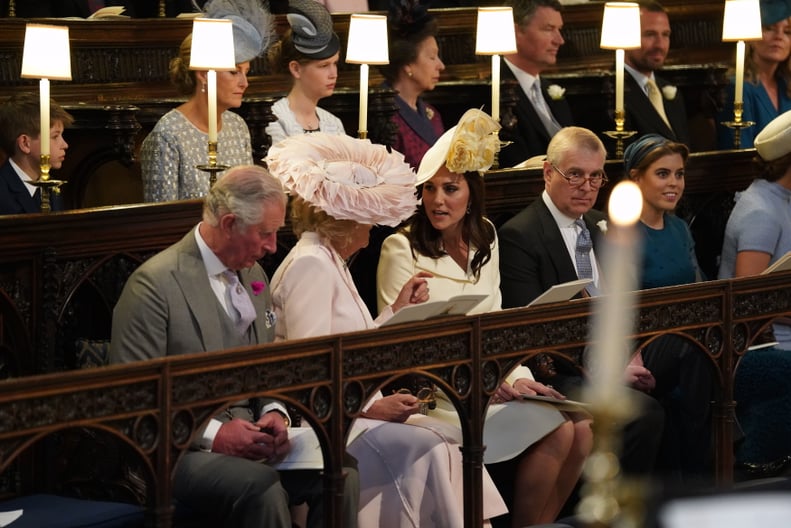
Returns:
(458,305)
(781,264)
(561,292)
(305,450)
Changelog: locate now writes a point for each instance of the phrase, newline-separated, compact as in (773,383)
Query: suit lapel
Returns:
(555,246)
(262,326)
(194,284)
(18,191)
(638,103)
(524,109)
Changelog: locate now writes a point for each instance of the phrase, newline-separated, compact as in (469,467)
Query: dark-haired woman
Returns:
(450,238)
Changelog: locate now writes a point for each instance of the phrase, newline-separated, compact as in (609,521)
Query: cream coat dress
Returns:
(410,474)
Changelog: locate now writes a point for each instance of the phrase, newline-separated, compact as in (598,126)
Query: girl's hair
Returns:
(476,230)
(283,52)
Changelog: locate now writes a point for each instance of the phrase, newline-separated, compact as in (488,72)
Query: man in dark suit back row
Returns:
(542,109)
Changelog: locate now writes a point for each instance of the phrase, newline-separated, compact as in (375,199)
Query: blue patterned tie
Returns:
(240,300)
(582,252)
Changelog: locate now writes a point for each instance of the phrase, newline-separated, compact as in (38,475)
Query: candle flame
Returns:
(626,203)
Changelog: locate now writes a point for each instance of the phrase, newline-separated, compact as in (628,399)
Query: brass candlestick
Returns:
(619,134)
(212,168)
(607,498)
(46,185)
(737,124)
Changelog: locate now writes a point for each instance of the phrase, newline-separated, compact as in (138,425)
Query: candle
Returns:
(44,111)
(362,128)
(619,59)
(212,95)
(739,86)
(496,87)
(614,313)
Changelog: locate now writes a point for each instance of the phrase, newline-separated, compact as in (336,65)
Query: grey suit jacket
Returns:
(533,256)
(168,307)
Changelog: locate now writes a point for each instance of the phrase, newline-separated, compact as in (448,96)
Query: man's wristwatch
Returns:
(286,419)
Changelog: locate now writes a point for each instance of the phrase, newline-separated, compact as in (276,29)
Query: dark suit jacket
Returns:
(529,137)
(643,117)
(533,256)
(14,196)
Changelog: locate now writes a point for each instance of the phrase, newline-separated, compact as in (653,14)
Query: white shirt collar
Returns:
(561,219)
(641,79)
(212,263)
(526,80)
(23,177)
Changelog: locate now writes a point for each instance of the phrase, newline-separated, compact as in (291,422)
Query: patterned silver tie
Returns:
(582,252)
(240,300)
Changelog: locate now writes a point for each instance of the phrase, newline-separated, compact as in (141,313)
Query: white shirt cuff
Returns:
(207,440)
(275,406)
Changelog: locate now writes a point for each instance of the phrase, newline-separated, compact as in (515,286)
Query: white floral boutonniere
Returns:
(669,92)
(556,92)
(602,225)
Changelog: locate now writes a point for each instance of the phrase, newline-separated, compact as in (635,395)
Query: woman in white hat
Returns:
(450,238)
(410,473)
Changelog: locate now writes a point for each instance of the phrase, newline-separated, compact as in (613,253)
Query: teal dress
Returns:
(668,254)
(757,108)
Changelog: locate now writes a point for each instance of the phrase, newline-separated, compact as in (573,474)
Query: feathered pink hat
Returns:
(347,178)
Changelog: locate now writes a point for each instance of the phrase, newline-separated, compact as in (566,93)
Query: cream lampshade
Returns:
(620,30)
(367,45)
(212,50)
(495,36)
(741,21)
(46,56)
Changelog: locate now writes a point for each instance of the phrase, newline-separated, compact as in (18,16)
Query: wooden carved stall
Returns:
(120,67)
(154,407)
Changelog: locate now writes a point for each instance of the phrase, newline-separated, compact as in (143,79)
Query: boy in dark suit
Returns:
(20,138)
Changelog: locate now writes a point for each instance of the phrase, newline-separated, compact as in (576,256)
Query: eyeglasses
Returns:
(576,179)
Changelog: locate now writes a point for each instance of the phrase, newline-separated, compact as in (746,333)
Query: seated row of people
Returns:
(341,187)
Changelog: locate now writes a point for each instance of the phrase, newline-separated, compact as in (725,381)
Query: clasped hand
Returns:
(266,439)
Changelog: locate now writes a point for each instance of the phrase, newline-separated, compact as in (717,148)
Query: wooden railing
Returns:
(154,407)
(61,274)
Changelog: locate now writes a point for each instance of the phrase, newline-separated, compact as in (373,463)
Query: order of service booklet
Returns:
(561,292)
(781,264)
(458,305)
